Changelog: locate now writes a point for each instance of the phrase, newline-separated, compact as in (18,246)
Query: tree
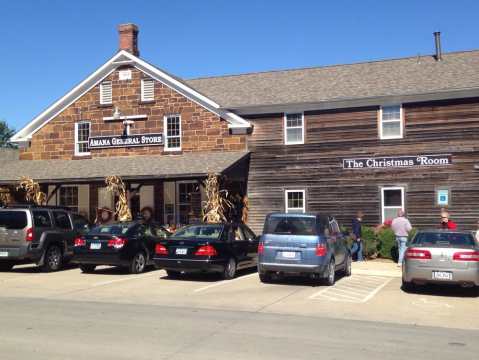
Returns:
(5,134)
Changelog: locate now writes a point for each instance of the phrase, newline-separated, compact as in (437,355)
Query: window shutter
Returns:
(147,90)
(105,92)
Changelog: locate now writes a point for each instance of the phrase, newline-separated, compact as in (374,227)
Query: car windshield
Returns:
(290,225)
(113,229)
(443,239)
(14,220)
(207,232)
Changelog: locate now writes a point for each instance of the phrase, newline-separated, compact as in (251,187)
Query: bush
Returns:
(387,244)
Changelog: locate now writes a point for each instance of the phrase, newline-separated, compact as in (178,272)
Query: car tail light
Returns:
(161,249)
(321,250)
(418,254)
(206,250)
(80,242)
(466,256)
(29,235)
(260,248)
(117,242)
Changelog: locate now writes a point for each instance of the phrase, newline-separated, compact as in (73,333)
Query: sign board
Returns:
(397,162)
(106,142)
(442,197)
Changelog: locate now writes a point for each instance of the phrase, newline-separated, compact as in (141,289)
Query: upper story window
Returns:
(294,129)
(147,90)
(391,122)
(105,92)
(295,201)
(172,130)
(82,133)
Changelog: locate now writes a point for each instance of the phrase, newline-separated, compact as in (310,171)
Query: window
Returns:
(391,122)
(147,90)
(82,133)
(41,218)
(172,128)
(62,220)
(293,129)
(295,201)
(69,197)
(13,220)
(392,200)
(290,225)
(105,92)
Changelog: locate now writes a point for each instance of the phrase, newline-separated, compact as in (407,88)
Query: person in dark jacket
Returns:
(356,225)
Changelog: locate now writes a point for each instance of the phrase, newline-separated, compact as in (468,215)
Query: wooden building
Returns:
(376,136)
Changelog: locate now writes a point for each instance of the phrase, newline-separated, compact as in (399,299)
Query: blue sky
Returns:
(48,46)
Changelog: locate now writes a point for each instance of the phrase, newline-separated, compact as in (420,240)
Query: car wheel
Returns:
(347,265)
(87,268)
(265,277)
(408,286)
(331,274)
(6,265)
(230,270)
(138,263)
(173,274)
(53,259)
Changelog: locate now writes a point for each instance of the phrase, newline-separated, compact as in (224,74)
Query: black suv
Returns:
(43,235)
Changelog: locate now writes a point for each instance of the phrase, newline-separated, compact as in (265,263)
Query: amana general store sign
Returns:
(397,162)
(104,142)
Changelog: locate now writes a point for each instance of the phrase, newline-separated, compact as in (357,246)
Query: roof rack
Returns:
(33,206)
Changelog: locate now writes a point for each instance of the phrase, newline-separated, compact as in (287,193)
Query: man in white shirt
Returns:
(401,228)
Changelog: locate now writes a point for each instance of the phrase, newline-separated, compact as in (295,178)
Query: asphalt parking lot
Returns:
(369,294)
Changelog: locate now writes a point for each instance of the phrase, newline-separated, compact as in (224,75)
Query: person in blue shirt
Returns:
(356,225)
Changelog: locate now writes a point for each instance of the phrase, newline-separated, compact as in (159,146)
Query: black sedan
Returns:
(217,248)
(126,244)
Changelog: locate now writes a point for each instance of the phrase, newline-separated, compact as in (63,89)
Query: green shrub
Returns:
(387,244)
(370,241)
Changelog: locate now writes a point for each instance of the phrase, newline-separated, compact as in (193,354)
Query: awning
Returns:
(185,166)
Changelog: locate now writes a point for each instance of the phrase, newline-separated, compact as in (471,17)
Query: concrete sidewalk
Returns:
(377,267)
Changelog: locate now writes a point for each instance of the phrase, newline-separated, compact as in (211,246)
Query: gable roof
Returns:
(120,59)
(412,78)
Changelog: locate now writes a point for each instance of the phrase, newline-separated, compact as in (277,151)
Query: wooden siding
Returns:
(330,136)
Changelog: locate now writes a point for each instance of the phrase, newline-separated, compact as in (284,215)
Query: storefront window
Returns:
(392,201)
(172,128)
(293,129)
(295,201)
(187,196)
(69,197)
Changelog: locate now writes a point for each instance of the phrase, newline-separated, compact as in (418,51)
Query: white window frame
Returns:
(401,123)
(102,99)
(286,192)
(385,188)
(77,152)
(285,128)
(143,89)
(165,131)
(74,208)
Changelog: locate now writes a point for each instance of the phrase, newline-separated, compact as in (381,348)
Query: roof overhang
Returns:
(355,103)
(185,166)
(123,58)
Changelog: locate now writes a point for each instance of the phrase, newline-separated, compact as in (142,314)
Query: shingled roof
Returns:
(406,76)
(189,165)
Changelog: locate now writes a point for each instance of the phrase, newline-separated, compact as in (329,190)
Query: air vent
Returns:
(124,75)
(105,92)
(147,90)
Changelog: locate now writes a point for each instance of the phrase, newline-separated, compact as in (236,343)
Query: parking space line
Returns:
(375,291)
(103,283)
(224,282)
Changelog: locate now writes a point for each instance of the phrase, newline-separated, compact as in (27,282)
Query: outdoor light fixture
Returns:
(116,113)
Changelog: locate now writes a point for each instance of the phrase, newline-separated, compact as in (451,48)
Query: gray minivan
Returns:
(303,244)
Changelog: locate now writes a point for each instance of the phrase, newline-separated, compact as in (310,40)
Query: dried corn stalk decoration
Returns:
(32,191)
(245,210)
(115,185)
(216,205)
(5,196)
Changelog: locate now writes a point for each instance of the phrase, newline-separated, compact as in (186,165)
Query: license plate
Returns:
(3,253)
(288,254)
(181,251)
(95,246)
(442,275)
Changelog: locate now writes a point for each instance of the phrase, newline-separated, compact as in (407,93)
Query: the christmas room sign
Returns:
(104,142)
(397,162)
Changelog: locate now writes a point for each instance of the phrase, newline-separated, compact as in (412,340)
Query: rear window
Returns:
(290,225)
(114,229)
(14,220)
(443,239)
(206,232)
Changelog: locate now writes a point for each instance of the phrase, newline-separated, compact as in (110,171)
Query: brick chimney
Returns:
(129,38)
